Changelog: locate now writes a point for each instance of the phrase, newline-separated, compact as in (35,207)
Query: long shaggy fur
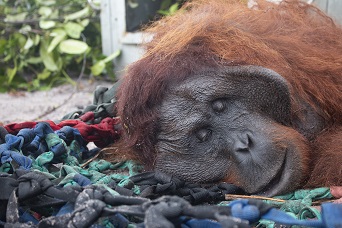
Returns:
(294,39)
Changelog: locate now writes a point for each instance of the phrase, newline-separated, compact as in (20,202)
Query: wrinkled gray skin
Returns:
(222,123)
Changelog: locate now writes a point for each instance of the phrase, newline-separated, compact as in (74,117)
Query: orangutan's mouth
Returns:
(273,186)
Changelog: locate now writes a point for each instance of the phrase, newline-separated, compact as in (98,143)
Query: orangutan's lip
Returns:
(274,183)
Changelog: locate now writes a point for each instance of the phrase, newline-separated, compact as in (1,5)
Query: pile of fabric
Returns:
(49,177)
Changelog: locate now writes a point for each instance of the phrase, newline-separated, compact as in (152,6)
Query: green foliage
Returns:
(101,65)
(47,42)
(169,7)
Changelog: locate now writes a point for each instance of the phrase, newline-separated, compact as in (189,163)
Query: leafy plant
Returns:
(169,7)
(46,42)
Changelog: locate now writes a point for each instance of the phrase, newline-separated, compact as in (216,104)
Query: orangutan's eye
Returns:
(218,105)
(203,134)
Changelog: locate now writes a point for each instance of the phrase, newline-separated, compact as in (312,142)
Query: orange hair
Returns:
(293,38)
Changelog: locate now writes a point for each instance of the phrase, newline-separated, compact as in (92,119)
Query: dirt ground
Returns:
(47,105)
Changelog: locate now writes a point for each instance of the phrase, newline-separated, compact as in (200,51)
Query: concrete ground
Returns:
(47,105)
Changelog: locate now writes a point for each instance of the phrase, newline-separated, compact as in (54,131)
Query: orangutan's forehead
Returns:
(199,89)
